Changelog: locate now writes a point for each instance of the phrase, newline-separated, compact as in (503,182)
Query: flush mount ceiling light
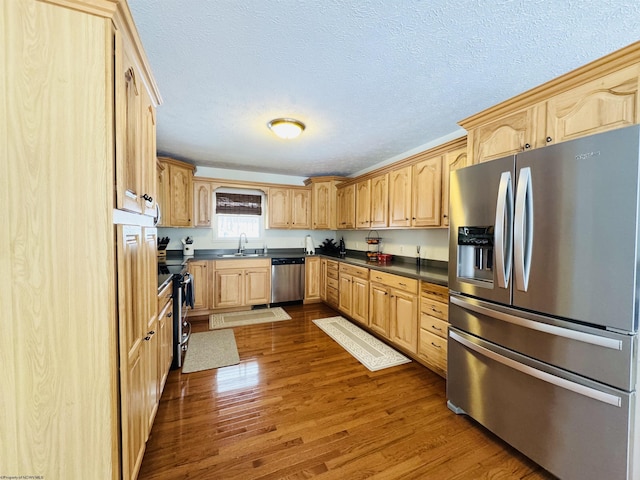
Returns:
(286,127)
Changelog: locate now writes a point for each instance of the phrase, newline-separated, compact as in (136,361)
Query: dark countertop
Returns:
(432,271)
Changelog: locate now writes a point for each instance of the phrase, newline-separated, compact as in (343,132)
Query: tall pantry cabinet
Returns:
(77,200)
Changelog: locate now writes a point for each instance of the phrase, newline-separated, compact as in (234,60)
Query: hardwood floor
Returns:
(299,406)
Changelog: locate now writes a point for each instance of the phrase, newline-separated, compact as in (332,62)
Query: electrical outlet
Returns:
(401,249)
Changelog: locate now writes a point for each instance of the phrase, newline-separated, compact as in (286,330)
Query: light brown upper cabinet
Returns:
(400,197)
(453,160)
(324,201)
(346,206)
(202,204)
(604,104)
(363,204)
(289,207)
(177,184)
(600,96)
(427,192)
(135,146)
(380,201)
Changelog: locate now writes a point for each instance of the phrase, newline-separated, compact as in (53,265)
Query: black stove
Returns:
(175,271)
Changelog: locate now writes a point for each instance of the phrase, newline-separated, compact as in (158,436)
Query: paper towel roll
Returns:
(309,248)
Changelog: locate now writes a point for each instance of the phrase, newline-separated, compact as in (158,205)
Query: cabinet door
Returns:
(229,288)
(324,210)
(506,136)
(323,279)
(404,320)
(279,208)
(363,204)
(379,309)
(452,161)
(165,336)
(300,212)
(600,105)
(344,282)
(162,194)
(132,328)
(148,155)
(427,192)
(200,272)
(400,197)
(202,206)
(312,283)
(128,103)
(151,348)
(380,201)
(181,188)
(257,286)
(346,207)
(360,300)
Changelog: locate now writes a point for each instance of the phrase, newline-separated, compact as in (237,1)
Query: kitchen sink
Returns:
(240,255)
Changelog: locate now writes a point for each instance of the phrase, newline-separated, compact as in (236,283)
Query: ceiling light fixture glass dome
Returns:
(286,127)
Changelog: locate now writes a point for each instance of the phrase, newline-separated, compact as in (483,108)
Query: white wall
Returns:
(434,243)
(203,238)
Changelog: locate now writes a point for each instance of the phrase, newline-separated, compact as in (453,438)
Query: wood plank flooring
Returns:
(299,406)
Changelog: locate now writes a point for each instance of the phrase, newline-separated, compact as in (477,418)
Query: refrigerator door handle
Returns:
(583,390)
(523,229)
(583,337)
(502,235)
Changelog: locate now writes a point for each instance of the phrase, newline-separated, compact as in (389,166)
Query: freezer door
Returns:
(576,229)
(480,230)
(606,357)
(578,430)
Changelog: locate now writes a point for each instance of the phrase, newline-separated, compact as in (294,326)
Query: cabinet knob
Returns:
(527,146)
(170,314)
(549,139)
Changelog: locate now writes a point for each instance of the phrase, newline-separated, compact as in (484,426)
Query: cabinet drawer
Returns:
(395,281)
(352,270)
(436,309)
(332,283)
(434,292)
(332,296)
(164,296)
(332,274)
(433,350)
(332,265)
(434,325)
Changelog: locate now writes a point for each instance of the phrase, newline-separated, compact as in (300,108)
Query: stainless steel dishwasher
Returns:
(287,279)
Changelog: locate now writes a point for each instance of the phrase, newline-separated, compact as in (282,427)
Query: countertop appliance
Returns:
(287,279)
(543,278)
(182,291)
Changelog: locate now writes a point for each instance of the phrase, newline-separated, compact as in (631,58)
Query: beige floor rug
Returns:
(367,349)
(209,350)
(239,319)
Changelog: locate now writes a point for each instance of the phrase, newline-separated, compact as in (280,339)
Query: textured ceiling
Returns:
(371,79)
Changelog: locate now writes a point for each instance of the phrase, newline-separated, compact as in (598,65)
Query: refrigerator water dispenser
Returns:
(475,254)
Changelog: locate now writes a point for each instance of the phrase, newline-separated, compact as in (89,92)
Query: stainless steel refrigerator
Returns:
(543,279)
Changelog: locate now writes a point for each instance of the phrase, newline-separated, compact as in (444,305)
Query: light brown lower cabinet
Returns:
(354,292)
(410,314)
(240,283)
(329,282)
(434,324)
(202,281)
(312,279)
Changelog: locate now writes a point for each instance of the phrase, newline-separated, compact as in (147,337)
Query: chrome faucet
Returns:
(240,245)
